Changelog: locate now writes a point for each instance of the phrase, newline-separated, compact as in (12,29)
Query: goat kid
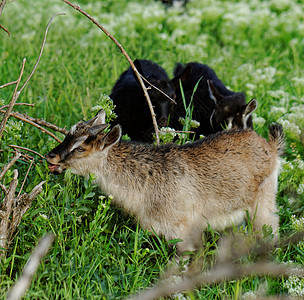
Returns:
(177,190)
(131,105)
(214,106)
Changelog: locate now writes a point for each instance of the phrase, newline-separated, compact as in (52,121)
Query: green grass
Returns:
(254,46)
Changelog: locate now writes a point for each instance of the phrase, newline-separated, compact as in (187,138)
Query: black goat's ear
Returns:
(250,108)
(214,93)
(182,76)
(112,137)
(99,119)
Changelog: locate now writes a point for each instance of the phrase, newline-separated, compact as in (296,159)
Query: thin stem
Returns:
(26,149)
(8,84)
(27,120)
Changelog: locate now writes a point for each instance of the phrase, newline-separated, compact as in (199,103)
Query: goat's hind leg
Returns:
(264,211)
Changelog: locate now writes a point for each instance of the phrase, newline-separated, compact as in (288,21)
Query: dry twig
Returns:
(6,30)
(3,2)
(28,170)
(129,60)
(13,207)
(27,120)
(31,120)
(8,84)
(25,104)
(30,268)
(26,149)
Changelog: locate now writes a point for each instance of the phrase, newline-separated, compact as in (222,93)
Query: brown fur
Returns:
(176,190)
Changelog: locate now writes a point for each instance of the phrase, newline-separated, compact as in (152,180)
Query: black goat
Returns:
(214,106)
(131,105)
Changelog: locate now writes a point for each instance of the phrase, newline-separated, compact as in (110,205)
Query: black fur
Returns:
(231,103)
(131,105)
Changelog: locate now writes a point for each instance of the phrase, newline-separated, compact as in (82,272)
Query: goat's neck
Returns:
(118,173)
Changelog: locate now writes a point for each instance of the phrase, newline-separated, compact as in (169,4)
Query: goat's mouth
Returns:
(55,169)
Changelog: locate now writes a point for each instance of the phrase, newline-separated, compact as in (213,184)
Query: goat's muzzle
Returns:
(54,166)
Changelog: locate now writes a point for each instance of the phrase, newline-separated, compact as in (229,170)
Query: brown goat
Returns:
(177,190)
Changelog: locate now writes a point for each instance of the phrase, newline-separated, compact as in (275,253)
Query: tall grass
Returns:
(254,46)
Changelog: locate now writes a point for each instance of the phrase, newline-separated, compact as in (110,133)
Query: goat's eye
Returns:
(80,149)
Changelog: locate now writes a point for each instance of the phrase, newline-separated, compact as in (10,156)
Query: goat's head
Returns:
(230,111)
(82,140)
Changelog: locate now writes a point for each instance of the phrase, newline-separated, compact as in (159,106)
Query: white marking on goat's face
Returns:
(229,123)
(211,119)
(245,119)
(78,142)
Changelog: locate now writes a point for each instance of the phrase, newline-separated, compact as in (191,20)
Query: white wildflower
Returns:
(249,295)
(300,189)
(167,134)
(298,81)
(259,121)
(297,223)
(105,103)
(290,127)
(43,216)
(300,163)
(277,112)
(193,123)
(281,95)
(295,286)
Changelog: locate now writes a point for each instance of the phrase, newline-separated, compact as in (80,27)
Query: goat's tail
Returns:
(277,138)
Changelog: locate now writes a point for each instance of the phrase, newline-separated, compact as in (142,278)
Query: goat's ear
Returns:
(250,108)
(182,76)
(214,93)
(99,119)
(112,137)
(94,130)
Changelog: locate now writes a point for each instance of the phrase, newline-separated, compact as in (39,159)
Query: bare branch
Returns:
(144,79)
(26,104)
(7,209)
(9,165)
(26,149)
(23,204)
(25,119)
(3,188)
(130,62)
(3,2)
(28,170)
(42,122)
(8,84)
(12,103)
(30,268)
(5,30)
(41,50)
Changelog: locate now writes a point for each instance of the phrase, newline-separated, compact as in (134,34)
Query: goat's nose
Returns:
(51,155)
(162,121)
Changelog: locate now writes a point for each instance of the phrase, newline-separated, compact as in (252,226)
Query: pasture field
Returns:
(254,46)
